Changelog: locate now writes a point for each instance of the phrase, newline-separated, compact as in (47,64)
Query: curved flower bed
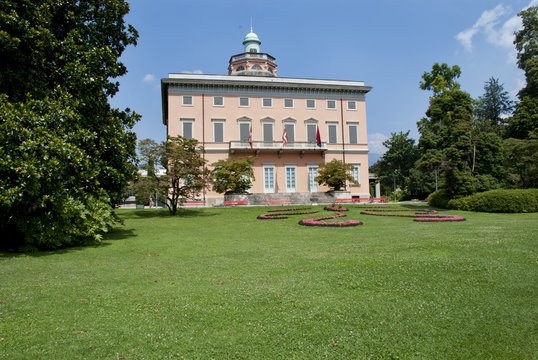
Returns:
(288,209)
(283,213)
(335,208)
(425,215)
(319,221)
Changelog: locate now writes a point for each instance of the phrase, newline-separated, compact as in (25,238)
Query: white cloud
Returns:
(375,143)
(197,71)
(486,21)
(148,78)
(498,35)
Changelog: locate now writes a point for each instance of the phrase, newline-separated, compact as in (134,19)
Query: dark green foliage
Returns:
(490,106)
(439,199)
(66,155)
(441,78)
(393,168)
(335,174)
(233,175)
(501,201)
(521,163)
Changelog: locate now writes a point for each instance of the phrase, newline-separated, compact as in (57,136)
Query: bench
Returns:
(235,202)
(278,202)
(194,203)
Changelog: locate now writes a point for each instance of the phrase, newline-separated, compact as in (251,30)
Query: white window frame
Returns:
(269,189)
(312,184)
(356,125)
(244,97)
(331,108)
(267,106)
(272,123)
(352,102)
(187,121)
(356,173)
(310,107)
(292,103)
(239,122)
(290,189)
(329,124)
(214,97)
(308,123)
(219,121)
(186,97)
(292,123)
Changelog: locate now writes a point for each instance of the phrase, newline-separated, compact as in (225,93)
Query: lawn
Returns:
(220,284)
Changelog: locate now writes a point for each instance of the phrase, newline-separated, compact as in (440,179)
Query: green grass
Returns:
(220,284)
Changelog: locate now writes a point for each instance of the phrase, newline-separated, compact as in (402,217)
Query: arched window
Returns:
(256,67)
(240,68)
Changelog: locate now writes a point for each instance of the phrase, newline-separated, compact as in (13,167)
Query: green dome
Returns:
(252,43)
(251,37)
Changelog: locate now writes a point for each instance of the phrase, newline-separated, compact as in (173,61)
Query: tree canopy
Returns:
(59,63)
(441,78)
(335,174)
(233,175)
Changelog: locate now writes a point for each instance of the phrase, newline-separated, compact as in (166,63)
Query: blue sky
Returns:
(388,44)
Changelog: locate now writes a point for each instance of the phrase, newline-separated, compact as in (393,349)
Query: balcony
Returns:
(300,147)
(253,56)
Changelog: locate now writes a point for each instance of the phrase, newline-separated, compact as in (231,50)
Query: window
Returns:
(256,67)
(288,103)
(353,136)
(310,104)
(290,131)
(244,131)
(312,174)
(240,68)
(269,178)
(187,128)
(352,105)
(331,104)
(267,102)
(290,178)
(311,133)
(218,101)
(218,130)
(355,173)
(187,100)
(244,101)
(332,130)
(267,131)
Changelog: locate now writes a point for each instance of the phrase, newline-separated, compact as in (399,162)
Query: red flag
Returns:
(250,137)
(318,138)
(284,138)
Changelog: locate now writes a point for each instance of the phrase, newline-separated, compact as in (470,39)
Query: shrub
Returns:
(439,199)
(501,201)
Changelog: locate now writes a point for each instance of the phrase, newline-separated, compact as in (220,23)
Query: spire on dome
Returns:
(251,41)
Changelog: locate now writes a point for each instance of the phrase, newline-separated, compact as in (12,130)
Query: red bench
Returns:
(236,202)
(194,203)
(278,202)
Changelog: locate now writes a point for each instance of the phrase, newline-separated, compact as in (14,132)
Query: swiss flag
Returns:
(250,137)
(284,138)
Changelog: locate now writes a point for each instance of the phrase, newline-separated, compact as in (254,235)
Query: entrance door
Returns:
(312,174)
(290,179)
(268,179)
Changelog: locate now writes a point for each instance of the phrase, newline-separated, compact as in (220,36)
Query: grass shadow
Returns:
(164,213)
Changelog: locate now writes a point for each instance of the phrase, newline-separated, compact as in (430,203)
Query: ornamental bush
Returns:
(499,201)
(439,199)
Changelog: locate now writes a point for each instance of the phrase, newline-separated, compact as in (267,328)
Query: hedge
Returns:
(439,199)
(499,201)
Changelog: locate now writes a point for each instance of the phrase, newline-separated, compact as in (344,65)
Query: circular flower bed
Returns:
(319,221)
(335,208)
(283,213)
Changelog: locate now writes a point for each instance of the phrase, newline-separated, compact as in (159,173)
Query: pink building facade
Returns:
(276,120)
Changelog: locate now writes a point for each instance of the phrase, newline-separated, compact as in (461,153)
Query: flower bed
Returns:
(288,209)
(283,213)
(335,208)
(440,218)
(319,221)
(419,215)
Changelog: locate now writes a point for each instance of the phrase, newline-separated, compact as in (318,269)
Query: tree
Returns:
(492,105)
(441,78)
(521,163)
(186,174)
(233,175)
(398,160)
(59,62)
(335,174)
(524,122)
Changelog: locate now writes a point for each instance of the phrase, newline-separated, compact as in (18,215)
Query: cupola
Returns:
(252,62)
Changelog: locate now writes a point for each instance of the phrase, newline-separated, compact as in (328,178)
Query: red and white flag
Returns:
(250,137)
(284,138)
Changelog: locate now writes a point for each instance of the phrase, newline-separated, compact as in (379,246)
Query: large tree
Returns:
(492,105)
(335,174)
(524,122)
(441,78)
(398,160)
(233,175)
(59,63)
